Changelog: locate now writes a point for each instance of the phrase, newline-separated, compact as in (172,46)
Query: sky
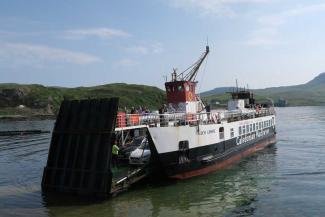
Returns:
(71,43)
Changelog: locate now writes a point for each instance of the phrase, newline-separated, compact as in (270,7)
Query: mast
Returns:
(194,68)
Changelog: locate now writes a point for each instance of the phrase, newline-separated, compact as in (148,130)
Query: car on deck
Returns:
(141,155)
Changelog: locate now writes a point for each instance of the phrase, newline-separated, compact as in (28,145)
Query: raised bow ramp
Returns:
(81,147)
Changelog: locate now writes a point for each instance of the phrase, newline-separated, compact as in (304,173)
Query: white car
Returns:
(141,155)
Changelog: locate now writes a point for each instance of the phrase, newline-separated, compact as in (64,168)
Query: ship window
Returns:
(260,125)
(239,130)
(254,127)
(187,88)
(250,128)
(232,133)
(247,128)
(221,133)
(180,87)
(244,130)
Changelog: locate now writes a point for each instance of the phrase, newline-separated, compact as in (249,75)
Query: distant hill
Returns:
(217,90)
(318,80)
(20,99)
(35,99)
(310,93)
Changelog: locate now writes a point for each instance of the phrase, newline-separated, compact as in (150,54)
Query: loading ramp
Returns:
(80,151)
(80,154)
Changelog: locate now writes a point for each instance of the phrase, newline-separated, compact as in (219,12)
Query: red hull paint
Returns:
(220,165)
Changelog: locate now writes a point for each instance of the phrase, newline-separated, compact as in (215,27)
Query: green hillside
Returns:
(37,99)
(311,93)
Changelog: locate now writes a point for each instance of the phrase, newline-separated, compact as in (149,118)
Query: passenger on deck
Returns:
(208,111)
(133,111)
(115,150)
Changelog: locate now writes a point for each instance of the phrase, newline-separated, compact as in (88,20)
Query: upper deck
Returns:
(132,121)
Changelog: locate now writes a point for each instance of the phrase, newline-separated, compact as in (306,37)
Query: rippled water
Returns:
(287,179)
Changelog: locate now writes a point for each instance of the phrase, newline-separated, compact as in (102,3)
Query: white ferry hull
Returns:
(187,151)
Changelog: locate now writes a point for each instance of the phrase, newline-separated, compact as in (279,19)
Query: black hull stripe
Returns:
(206,155)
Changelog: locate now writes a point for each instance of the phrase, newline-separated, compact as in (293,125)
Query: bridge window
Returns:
(254,127)
(250,128)
(247,128)
(239,130)
(232,133)
(221,133)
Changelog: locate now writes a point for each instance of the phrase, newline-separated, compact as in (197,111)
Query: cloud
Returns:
(212,7)
(138,49)
(102,33)
(22,54)
(282,18)
(263,37)
(126,62)
(268,32)
(154,48)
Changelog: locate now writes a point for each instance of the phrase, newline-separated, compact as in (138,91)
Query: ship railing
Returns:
(264,112)
(161,120)
(251,113)
(177,119)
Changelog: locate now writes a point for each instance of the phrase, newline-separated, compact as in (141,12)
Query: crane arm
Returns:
(194,68)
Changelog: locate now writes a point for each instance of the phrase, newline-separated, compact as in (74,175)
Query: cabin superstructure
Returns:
(181,90)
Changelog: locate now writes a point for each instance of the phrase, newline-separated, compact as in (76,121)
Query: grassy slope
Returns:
(311,93)
(296,96)
(129,94)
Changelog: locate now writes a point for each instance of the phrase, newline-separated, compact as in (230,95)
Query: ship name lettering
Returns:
(244,139)
(204,132)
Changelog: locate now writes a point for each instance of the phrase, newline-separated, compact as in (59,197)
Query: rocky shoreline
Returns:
(26,118)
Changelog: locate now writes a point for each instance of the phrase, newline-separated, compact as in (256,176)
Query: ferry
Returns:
(187,138)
